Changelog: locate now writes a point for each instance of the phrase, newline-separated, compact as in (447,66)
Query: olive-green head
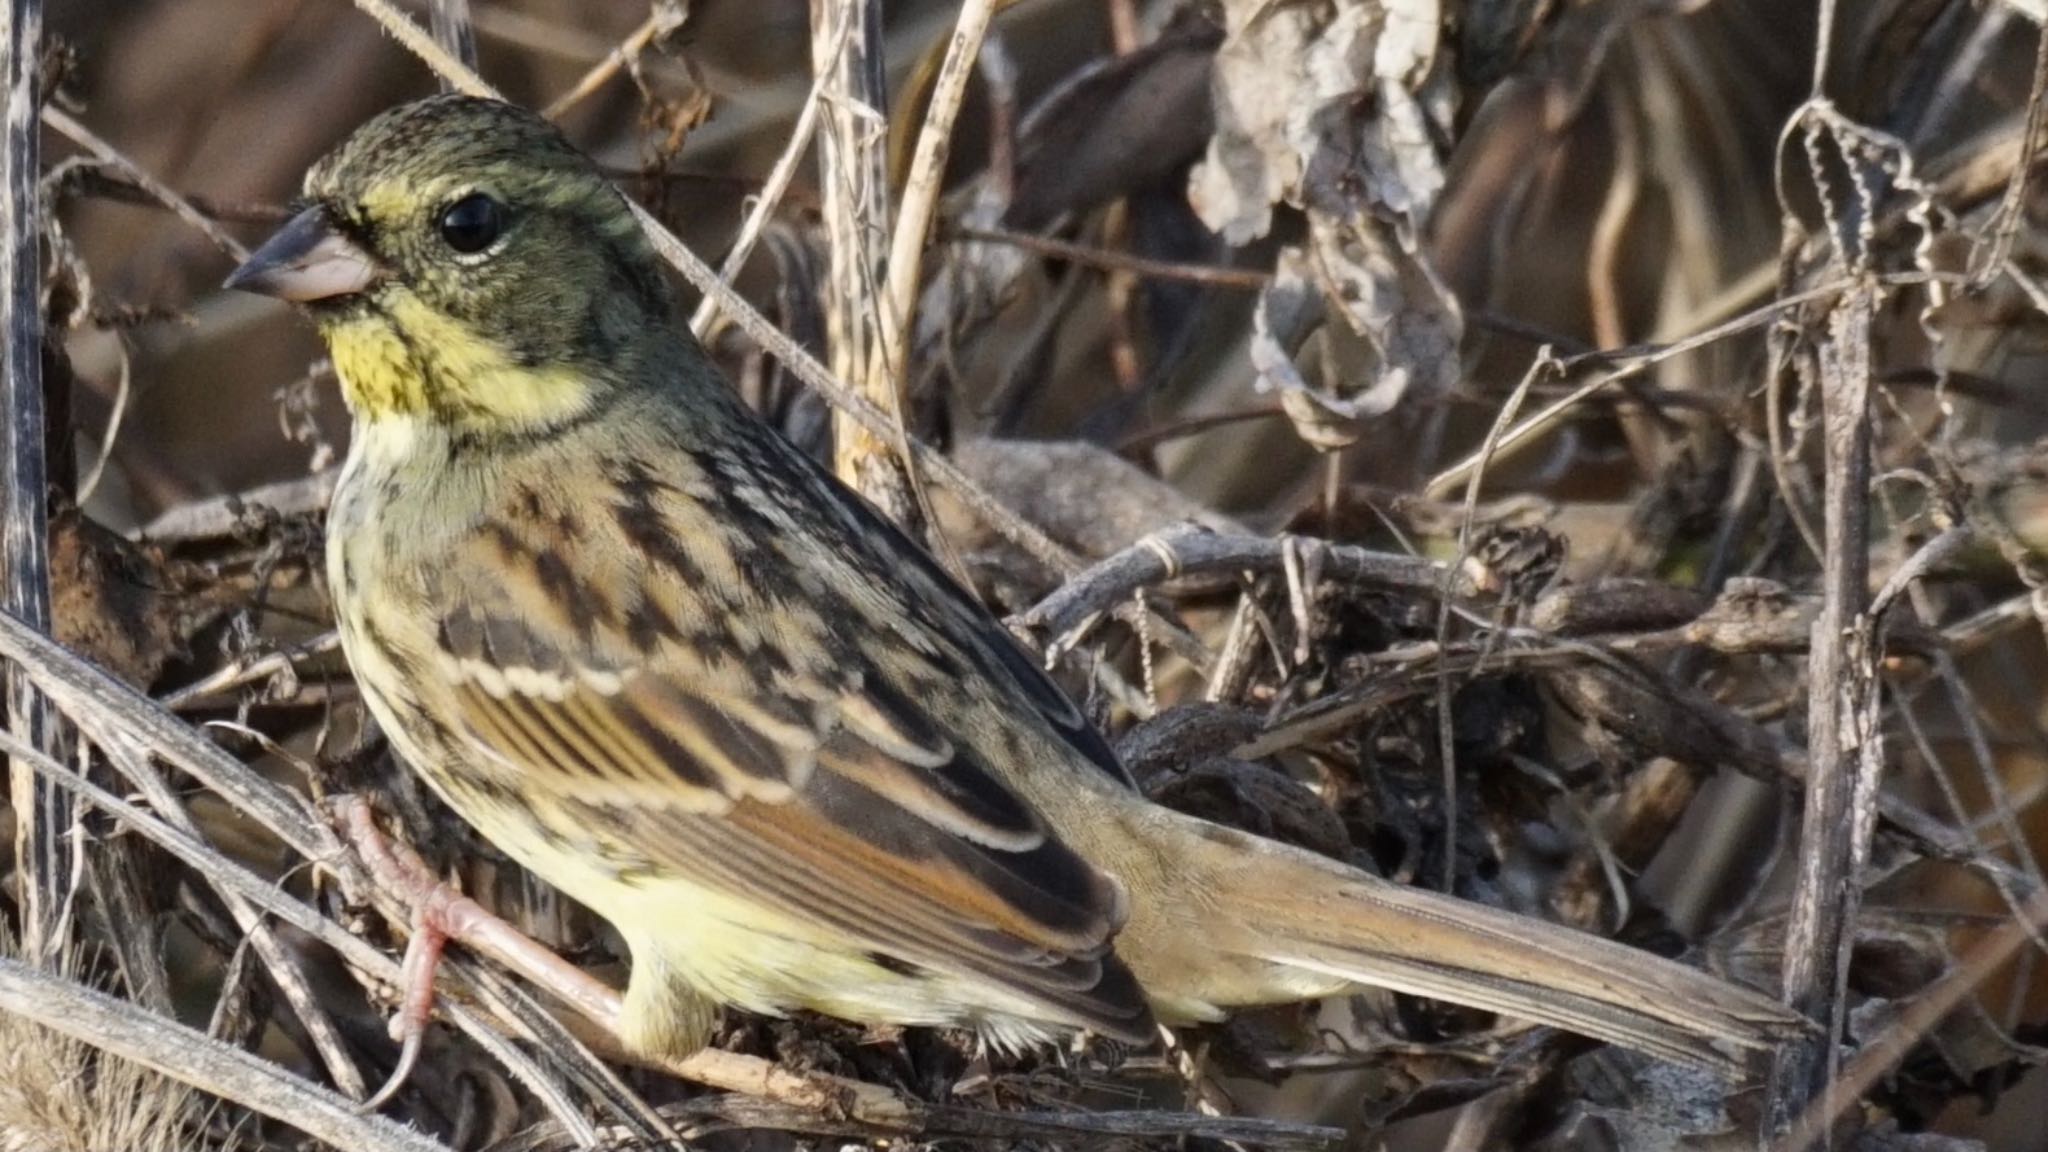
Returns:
(467,265)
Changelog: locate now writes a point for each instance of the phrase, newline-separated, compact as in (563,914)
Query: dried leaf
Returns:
(1337,109)
(1342,111)
(1390,295)
(1290,310)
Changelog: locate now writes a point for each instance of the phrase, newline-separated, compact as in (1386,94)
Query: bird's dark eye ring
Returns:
(472,223)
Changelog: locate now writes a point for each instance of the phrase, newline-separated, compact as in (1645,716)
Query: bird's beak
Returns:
(306,261)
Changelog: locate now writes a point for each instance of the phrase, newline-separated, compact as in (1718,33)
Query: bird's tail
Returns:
(1290,918)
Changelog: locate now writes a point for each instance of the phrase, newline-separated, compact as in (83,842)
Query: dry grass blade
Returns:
(61,1093)
(846,39)
(1639,361)
(1244,279)
(110,711)
(449,20)
(762,210)
(191,1057)
(286,969)
(888,358)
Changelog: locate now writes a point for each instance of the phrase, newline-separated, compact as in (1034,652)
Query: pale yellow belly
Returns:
(693,942)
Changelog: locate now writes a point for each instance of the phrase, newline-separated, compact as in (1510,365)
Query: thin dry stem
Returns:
(1640,361)
(449,20)
(919,209)
(1545,364)
(1844,752)
(764,205)
(286,968)
(1919,1019)
(846,45)
(192,1057)
(1110,260)
(68,126)
(42,818)
(660,19)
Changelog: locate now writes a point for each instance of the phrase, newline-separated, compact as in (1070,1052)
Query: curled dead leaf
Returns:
(1344,111)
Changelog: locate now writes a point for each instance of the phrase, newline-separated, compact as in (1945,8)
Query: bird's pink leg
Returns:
(441,914)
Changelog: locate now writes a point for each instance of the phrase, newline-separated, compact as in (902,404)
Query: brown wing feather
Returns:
(821,791)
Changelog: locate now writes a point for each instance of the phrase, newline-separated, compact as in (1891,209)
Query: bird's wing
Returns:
(749,745)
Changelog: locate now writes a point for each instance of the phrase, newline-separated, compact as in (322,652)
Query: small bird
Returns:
(668,663)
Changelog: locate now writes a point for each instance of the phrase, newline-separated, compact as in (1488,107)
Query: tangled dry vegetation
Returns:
(1577,455)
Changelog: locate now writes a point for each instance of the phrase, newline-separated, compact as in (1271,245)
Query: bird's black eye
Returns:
(472,223)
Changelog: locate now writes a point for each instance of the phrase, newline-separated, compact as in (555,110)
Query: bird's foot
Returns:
(395,869)
(439,914)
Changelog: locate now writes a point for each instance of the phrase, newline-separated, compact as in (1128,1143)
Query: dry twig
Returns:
(42,818)
(194,1058)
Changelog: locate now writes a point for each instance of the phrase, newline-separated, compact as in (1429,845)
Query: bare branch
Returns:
(1845,755)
